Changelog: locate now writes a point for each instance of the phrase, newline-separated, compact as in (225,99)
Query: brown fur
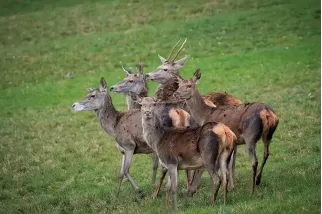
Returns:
(221,98)
(166,91)
(228,138)
(180,118)
(125,127)
(269,120)
(249,121)
(196,148)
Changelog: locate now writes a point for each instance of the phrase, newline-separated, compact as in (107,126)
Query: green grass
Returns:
(53,160)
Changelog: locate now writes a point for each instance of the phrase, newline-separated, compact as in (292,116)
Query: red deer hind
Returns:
(249,121)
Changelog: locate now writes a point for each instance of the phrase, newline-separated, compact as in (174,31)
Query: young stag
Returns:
(249,121)
(166,74)
(125,127)
(172,115)
(209,146)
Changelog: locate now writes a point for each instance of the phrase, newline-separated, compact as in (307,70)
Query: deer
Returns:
(206,147)
(249,121)
(136,83)
(166,73)
(172,113)
(125,127)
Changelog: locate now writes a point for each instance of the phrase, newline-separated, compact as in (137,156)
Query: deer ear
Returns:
(127,72)
(196,76)
(181,62)
(135,97)
(103,85)
(163,60)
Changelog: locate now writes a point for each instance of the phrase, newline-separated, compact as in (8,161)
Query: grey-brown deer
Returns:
(136,83)
(209,146)
(249,121)
(172,116)
(166,74)
(125,127)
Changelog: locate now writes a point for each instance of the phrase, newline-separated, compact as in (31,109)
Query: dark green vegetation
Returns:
(53,160)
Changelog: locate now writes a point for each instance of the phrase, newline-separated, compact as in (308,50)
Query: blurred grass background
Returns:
(56,161)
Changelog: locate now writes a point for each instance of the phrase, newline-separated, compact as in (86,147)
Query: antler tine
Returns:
(173,49)
(140,68)
(180,49)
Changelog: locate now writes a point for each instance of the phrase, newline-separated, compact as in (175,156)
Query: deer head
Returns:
(95,99)
(132,82)
(148,105)
(187,87)
(169,67)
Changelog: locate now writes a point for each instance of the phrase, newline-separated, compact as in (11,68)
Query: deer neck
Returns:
(131,104)
(107,116)
(165,91)
(198,108)
(152,132)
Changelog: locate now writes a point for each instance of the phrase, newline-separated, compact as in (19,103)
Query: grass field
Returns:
(53,160)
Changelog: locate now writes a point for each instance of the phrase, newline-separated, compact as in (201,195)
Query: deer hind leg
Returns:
(155,161)
(121,176)
(213,172)
(158,187)
(195,182)
(188,179)
(232,165)
(252,152)
(266,154)
(224,162)
(173,175)
(168,189)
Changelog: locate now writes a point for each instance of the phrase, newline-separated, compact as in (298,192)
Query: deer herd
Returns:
(182,128)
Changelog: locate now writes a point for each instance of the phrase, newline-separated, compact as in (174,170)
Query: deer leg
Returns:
(127,163)
(173,173)
(213,172)
(121,176)
(252,152)
(158,187)
(155,161)
(266,154)
(168,189)
(232,165)
(188,179)
(225,174)
(195,182)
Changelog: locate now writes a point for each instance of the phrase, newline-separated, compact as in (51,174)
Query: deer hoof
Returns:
(190,193)
(258,180)
(140,194)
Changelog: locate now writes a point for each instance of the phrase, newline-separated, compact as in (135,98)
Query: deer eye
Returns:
(131,81)
(92,96)
(165,69)
(189,86)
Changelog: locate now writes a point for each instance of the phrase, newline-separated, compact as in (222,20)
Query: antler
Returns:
(173,49)
(179,49)
(140,68)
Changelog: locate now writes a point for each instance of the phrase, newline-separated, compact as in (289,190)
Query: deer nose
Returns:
(146,76)
(73,105)
(111,88)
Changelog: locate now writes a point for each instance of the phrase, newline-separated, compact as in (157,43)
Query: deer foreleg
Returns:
(127,163)
(155,161)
